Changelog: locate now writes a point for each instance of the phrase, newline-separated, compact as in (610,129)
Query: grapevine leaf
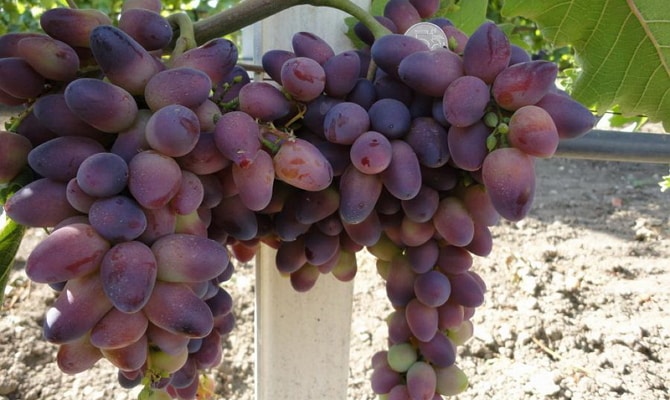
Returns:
(623,48)
(11,234)
(467,15)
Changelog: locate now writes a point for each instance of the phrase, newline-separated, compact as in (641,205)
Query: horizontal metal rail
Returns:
(618,146)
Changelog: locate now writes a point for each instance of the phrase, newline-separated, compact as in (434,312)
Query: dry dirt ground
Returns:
(578,305)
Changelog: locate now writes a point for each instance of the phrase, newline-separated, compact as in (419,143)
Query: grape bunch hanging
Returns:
(152,173)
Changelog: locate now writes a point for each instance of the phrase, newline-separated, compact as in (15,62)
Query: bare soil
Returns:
(578,304)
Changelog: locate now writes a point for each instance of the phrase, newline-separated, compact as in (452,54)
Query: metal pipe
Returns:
(618,146)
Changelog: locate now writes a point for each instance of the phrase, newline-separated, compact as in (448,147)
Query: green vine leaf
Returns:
(623,48)
(467,15)
(11,235)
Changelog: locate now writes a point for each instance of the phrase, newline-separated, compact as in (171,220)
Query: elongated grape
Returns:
(414,233)
(9,42)
(216,58)
(41,203)
(383,379)
(453,222)
(117,218)
(365,233)
(80,305)
(371,152)
(466,290)
(363,93)
(175,308)
(306,44)
(132,140)
(421,381)
(509,176)
(524,84)
(486,53)
(402,13)
(358,195)
(400,282)
(571,118)
(314,206)
(173,130)
(303,78)
(188,258)
(465,101)
(389,50)
(451,380)
(451,315)
(237,137)
(118,329)
(402,178)
(205,158)
(128,358)
(439,351)
(478,203)
(454,260)
(60,158)
(390,117)
(342,72)
(390,87)
(273,60)
(77,356)
(102,105)
(235,219)
(345,122)
(255,181)
(19,80)
(153,178)
(263,101)
(532,130)
(14,150)
(72,25)
(80,251)
(51,58)
(184,86)
(398,330)
(467,145)
(432,288)
(430,72)
(210,353)
(423,258)
(54,114)
(150,29)
(300,164)
(426,8)
(429,141)
(421,207)
(102,175)
(123,60)
(422,320)
(128,275)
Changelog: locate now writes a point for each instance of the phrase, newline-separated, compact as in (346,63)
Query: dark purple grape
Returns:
(486,53)
(184,86)
(358,195)
(19,80)
(102,175)
(173,130)
(153,178)
(117,218)
(309,45)
(272,61)
(390,117)
(188,258)
(263,101)
(426,8)
(422,320)
(572,119)
(509,177)
(150,29)
(176,309)
(255,181)
(118,329)
(216,58)
(300,164)
(429,141)
(54,114)
(103,105)
(72,25)
(345,122)
(124,61)
(342,72)
(303,78)
(371,152)
(453,222)
(14,151)
(237,137)
(363,93)
(430,72)
(465,101)
(388,51)
(402,178)
(402,13)
(468,145)
(41,203)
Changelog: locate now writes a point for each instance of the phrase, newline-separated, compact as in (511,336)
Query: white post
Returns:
(302,339)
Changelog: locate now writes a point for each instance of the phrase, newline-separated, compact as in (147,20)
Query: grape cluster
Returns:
(155,172)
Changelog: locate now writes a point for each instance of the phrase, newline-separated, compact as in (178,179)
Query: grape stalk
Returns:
(155,162)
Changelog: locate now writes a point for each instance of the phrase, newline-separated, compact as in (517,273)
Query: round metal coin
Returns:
(429,33)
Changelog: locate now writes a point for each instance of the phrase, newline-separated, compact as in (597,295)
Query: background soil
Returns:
(578,305)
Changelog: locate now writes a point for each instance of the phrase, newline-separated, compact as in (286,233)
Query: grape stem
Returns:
(186,39)
(251,11)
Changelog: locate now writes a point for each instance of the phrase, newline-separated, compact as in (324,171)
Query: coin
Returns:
(429,33)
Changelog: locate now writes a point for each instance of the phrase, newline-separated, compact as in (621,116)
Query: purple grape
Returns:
(532,130)
(429,141)
(19,80)
(102,175)
(467,145)
(150,29)
(188,258)
(432,288)
(185,86)
(422,320)
(263,101)
(303,78)
(72,25)
(430,72)
(390,117)
(402,178)
(465,101)
(51,58)
(118,329)
(453,222)
(371,152)
(486,53)
(524,84)
(402,13)
(41,203)
(388,51)
(60,158)
(153,178)
(309,45)
(572,119)
(300,164)
(103,105)
(345,122)
(342,72)
(509,177)
(272,62)
(358,195)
